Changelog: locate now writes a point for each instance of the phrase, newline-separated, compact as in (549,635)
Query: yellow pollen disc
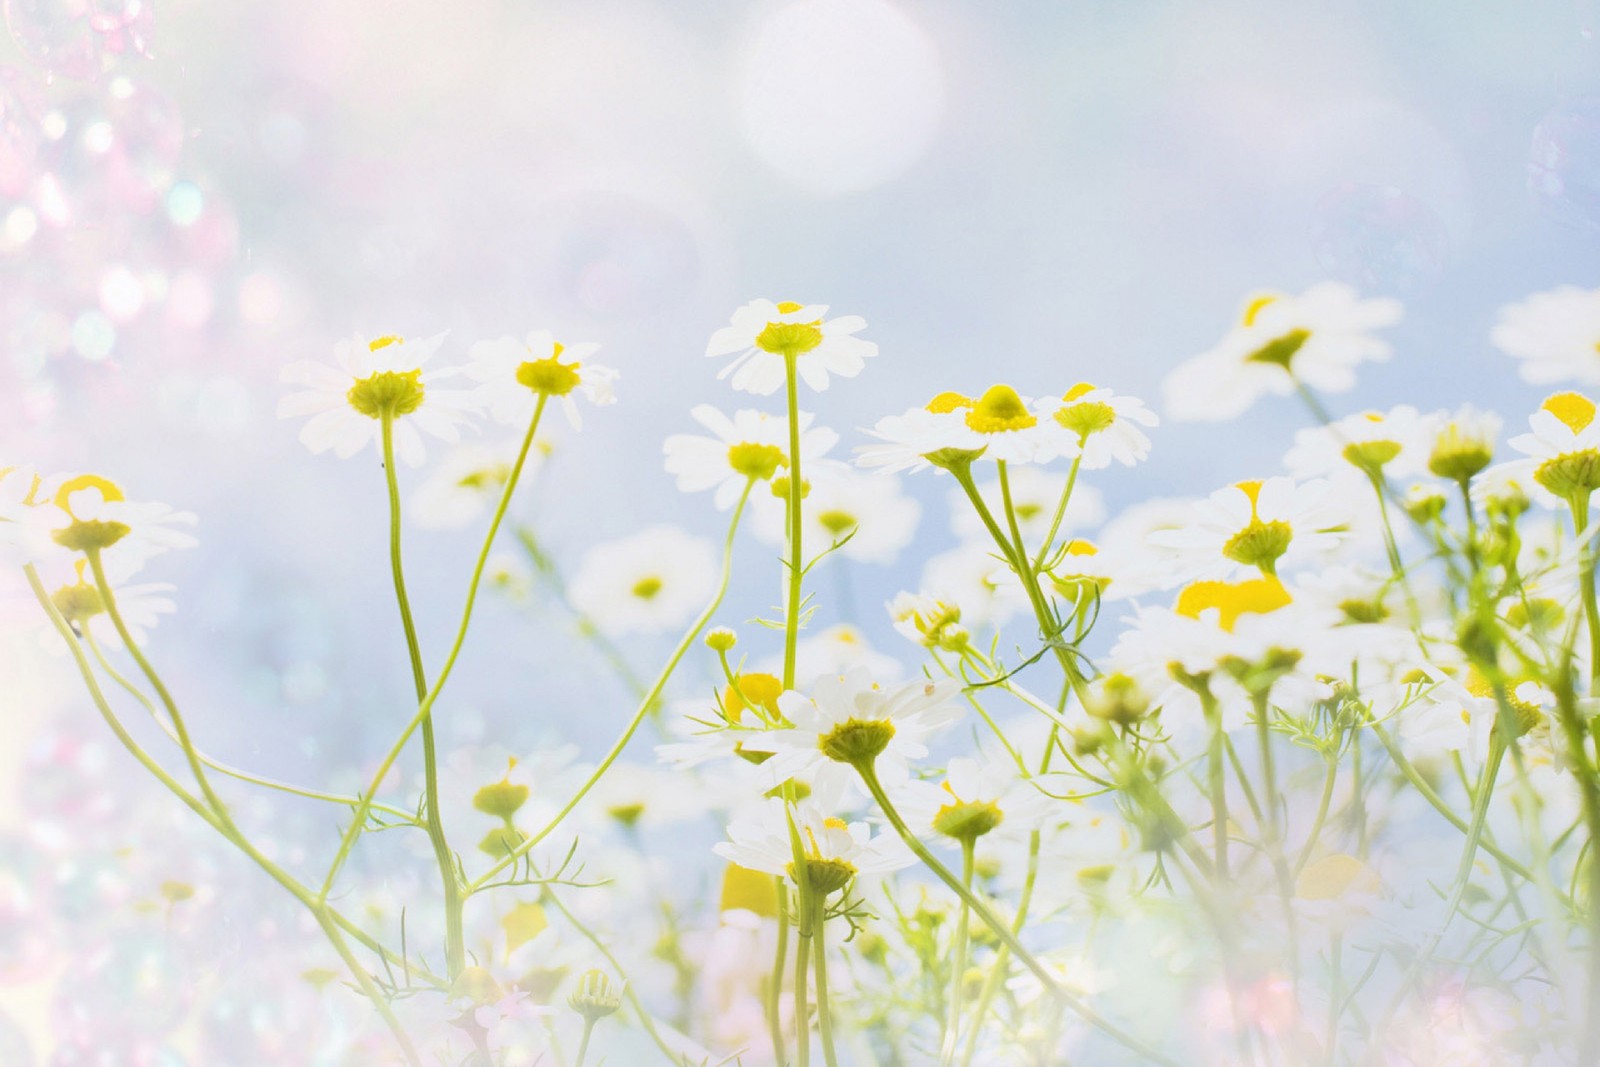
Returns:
(788,307)
(762,690)
(384,342)
(1253,308)
(945,403)
(1252,490)
(1574,409)
(646,588)
(999,410)
(1372,416)
(834,823)
(1076,391)
(1258,596)
(108,490)
(1080,547)
(549,376)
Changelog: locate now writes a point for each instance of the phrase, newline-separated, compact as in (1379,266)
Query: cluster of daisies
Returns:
(1263,704)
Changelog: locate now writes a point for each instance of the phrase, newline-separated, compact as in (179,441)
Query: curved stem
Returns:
(648,702)
(1061,511)
(1001,931)
(819,949)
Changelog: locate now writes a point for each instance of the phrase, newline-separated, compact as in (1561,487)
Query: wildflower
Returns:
(851,719)
(1081,569)
(1393,443)
(467,482)
(1555,335)
(79,602)
(976,798)
(645,583)
(835,851)
(374,380)
(1101,425)
(971,577)
(864,510)
(954,429)
(928,621)
(594,998)
(87,512)
(752,444)
(1564,445)
(514,375)
(1253,525)
(1317,338)
(763,335)
(1463,443)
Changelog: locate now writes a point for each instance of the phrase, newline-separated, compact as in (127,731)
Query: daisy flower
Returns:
(467,482)
(1555,335)
(645,583)
(1254,525)
(835,851)
(1101,425)
(1393,442)
(1462,443)
(1318,337)
(78,600)
(954,428)
(983,587)
(752,444)
(1563,446)
(928,621)
(371,379)
(763,335)
(1035,495)
(849,718)
(866,510)
(975,798)
(514,375)
(88,512)
(1082,566)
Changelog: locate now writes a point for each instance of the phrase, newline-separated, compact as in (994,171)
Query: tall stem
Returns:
(791,625)
(454,942)
(958,972)
(775,981)
(819,951)
(1586,569)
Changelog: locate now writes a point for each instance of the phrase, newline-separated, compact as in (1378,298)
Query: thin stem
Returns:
(791,626)
(802,1005)
(1586,569)
(819,951)
(583,1043)
(958,971)
(1061,511)
(775,982)
(1001,931)
(454,941)
(648,702)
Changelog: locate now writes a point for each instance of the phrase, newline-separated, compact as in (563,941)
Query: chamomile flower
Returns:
(85,512)
(79,601)
(1318,337)
(645,583)
(1563,446)
(863,509)
(954,428)
(851,719)
(372,379)
(1555,335)
(467,482)
(751,444)
(1081,570)
(515,375)
(764,335)
(928,621)
(973,579)
(1462,442)
(1035,495)
(974,799)
(835,851)
(1100,424)
(1393,442)
(1254,525)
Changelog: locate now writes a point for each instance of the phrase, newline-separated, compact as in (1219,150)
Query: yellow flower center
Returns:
(550,376)
(390,392)
(384,342)
(1081,389)
(109,490)
(947,402)
(755,460)
(1255,306)
(1280,350)
(838,522)
(1574,409)
(82,535)
(790,339)
(1000,410)
(1259,544)
(754,689)
(1255,596)
(857,741)
(646,588)
(966,820)
(1370,456)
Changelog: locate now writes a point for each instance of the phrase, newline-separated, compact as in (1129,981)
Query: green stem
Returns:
(869,777)
(1061,511)
(583,1043)
(802,958)
(1586,568)
(958,971)
(648,702)
(775,982)
(791,629)
(819,951)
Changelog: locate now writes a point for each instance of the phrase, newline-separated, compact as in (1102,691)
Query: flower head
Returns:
(1393,442)
(370,381)
(1463,443)
(87,512)
(1554,335)
(1318,337)
(645,583)
(764,335)
(953,428)
(515,375)
(1101,425)
(1253,525)
(1564,446)
(864,511)
(835,851)
(750,445)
